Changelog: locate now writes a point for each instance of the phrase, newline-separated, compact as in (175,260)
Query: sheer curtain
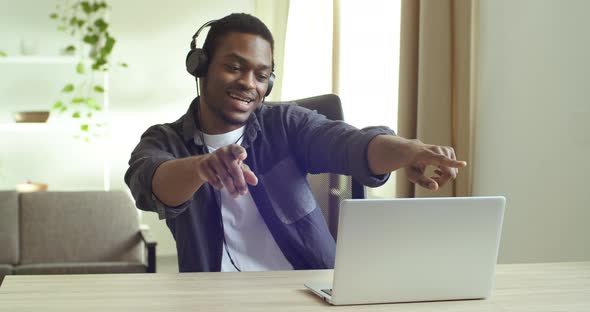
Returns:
(350,48)
(275,13)
(308,49)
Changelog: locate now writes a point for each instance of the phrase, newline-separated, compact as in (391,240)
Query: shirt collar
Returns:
(191,132)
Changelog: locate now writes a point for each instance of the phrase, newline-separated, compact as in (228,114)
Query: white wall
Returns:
(533,125)
(153,38)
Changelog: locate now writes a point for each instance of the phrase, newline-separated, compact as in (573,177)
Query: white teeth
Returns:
(239,98)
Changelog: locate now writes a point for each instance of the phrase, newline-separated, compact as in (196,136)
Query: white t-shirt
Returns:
(248,239)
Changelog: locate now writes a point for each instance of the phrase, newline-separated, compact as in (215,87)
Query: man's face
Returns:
(236,81)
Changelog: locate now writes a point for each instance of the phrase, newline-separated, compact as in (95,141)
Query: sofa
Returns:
(72,233)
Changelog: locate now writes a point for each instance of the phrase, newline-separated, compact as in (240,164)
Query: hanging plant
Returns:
(86,21)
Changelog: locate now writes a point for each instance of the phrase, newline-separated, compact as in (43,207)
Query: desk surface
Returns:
(519,287)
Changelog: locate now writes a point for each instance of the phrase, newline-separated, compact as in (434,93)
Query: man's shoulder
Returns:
(165,129)
(282,110)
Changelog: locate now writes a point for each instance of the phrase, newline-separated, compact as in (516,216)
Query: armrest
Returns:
(150,244)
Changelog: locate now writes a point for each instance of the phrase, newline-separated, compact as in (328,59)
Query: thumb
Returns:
(238,152)
(418,177)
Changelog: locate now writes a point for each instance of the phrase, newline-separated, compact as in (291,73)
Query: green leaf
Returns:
(63,109)
(108,46)
(98,63)
(84,128)
(92,104)
(89,115)
(73,21)
(53,16)
(81,23)
(61,28)
(99,5)
(124,65)
(91,39)
(86,7)
(3,54)
(80,68)
(78,100)
(76,115)
(68,88)
(58,104)
(101,25)
(99,89)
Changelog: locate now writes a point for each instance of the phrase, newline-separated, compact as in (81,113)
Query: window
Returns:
(368,67)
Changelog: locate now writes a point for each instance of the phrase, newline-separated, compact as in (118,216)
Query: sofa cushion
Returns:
(5,269)
(8,227)
(69,227)
(80,268)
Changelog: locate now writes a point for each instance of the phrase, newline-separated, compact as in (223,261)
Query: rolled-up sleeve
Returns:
(324,145)
(157,145)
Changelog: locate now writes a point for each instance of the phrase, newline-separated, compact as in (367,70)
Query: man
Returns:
(229,176)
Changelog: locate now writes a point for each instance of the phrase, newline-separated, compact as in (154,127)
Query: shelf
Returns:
(36,127)
(46,60)
(78,162)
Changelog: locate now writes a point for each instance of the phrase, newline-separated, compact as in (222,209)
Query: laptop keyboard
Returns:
(328,291)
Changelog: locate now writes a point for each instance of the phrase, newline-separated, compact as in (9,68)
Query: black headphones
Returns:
(197,61)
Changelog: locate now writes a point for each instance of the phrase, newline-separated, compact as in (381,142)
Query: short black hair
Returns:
(236,22)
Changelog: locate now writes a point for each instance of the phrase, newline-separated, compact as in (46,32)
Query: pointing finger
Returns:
(444,161)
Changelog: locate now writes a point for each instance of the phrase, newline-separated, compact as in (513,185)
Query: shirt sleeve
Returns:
(155,147)
(324,145)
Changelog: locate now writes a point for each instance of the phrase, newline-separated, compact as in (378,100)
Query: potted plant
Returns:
(86,22)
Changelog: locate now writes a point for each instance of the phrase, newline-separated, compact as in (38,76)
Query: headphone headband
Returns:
(194,41)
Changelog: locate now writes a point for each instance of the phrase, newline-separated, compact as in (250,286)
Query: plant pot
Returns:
(38,116)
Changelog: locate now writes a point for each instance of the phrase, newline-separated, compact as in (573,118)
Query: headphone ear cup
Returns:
(197,62)
(271,81)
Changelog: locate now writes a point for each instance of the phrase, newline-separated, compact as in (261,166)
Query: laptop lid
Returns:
(419,249)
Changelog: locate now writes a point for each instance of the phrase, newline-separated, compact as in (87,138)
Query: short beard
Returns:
(218,111)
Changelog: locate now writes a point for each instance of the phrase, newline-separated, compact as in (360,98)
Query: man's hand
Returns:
(388,153)
(442,157)
(225,168)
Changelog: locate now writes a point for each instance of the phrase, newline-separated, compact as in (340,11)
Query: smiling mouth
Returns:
(234,96)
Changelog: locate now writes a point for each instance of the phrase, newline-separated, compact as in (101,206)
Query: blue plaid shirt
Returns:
(284,143)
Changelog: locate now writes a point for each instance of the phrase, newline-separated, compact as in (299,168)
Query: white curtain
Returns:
(275,14)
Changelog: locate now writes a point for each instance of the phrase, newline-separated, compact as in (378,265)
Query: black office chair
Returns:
(329,189)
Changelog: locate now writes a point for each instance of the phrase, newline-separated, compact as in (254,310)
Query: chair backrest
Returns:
(329,189)
(8,227)
(59,227)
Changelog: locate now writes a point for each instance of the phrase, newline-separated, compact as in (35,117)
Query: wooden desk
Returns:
(522,287)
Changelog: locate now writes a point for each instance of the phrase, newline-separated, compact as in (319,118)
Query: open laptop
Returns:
(415,249)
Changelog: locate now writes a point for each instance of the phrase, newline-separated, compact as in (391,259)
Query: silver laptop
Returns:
(415,249)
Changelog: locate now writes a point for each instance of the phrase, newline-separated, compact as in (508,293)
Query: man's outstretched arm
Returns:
(175,181)
(387,153)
